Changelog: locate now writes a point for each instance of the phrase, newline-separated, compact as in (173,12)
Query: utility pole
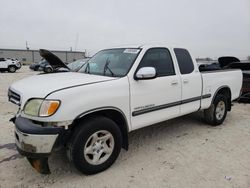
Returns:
(76,42)
(85,53)
(27,47)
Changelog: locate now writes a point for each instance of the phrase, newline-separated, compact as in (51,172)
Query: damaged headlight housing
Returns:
(41,107)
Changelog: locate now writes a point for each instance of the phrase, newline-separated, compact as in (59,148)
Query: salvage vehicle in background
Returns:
(62,67)
(37,66)
(245,97)
(10,65)
(59,66)
(34,66)
(229,62)
(245,67)
(118,90)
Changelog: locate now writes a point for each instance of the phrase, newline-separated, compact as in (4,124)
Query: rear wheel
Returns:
(217,112)
(12,69)
(95,145)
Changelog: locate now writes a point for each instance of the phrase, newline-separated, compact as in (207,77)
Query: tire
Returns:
(84,154)
(48,69)
(217,112)
(12,69)
(18,65)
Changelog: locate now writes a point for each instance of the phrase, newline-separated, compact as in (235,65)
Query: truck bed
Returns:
(212,81)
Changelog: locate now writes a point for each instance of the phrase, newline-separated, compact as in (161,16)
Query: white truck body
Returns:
(141,102)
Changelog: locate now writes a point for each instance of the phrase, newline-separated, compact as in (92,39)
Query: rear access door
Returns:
(191,82)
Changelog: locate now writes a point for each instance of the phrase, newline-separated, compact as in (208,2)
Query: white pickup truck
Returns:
(119,90)
(10,65)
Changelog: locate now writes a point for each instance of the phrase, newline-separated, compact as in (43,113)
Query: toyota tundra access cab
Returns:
(119,90)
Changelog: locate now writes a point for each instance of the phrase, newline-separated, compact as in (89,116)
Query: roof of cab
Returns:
(142,46)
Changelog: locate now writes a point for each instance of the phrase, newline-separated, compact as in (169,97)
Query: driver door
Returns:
(158,99)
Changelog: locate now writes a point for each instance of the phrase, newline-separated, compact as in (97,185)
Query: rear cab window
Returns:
(184,60)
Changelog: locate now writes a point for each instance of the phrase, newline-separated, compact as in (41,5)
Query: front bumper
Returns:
(34,140)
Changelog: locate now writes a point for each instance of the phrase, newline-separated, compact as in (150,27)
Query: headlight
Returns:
(41,107)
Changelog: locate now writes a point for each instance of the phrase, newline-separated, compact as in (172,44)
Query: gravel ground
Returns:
(183,152)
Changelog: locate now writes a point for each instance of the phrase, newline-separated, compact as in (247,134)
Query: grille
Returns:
(14,97)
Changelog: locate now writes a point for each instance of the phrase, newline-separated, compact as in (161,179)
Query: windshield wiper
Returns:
(87,70)
(106,67)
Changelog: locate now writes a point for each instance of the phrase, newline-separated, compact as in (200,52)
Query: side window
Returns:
(160,59)
(185,61)
(2,59)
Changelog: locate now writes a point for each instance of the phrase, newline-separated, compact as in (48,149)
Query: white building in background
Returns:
(30,56)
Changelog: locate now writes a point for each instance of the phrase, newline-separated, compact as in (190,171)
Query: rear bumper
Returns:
(33,140)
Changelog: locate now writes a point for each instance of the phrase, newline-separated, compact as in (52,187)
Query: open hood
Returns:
(52,59)
(226,60)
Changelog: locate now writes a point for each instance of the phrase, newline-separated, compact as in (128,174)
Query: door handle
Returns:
(174,82)
(185,81)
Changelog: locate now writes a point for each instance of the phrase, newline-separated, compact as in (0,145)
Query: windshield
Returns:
(112,62)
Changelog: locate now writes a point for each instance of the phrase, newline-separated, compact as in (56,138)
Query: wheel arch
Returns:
(226,91)
(112,113)
(12,65)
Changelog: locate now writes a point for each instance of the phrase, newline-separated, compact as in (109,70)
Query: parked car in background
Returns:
(77,65)
(10,65)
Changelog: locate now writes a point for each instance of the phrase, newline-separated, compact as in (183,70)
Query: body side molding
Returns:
(163,106)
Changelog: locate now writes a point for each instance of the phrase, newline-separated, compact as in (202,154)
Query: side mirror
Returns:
(145,73)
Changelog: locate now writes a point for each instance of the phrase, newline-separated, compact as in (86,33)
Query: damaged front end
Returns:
(36,142)
(40,164)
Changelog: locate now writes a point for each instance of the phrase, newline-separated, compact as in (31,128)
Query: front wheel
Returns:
(95,145)
(217,112)
(12,69)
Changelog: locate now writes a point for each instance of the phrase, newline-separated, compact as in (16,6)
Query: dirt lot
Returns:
(183,152)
